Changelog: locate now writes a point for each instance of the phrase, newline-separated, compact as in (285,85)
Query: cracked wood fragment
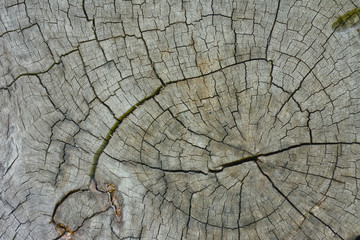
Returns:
(179,119)
(114,201)
(64,232)
(79,206)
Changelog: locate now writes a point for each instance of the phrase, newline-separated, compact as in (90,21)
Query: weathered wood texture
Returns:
(179,119)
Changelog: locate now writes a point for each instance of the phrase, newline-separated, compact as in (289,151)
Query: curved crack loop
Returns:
(65,232)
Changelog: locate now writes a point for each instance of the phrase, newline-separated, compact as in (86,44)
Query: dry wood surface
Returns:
(167,119)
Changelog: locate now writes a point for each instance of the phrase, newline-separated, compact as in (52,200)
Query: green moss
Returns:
(113,129)
(351,18)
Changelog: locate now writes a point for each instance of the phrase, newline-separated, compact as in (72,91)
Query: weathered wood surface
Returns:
(179,120)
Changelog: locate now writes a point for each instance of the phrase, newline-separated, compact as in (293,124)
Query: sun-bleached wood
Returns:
(179,119)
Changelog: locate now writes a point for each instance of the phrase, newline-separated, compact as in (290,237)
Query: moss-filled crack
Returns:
(254,158)
(113,129)
(348,20)
(234,163)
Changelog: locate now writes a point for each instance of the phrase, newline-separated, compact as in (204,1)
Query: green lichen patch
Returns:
(348,20)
